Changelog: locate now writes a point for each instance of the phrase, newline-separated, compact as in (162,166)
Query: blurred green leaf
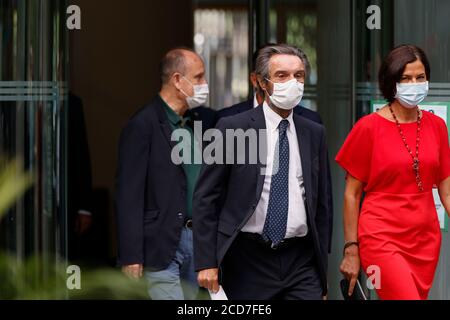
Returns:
(13,183)
(36,279)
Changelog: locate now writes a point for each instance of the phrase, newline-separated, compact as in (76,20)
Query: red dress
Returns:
(398,228)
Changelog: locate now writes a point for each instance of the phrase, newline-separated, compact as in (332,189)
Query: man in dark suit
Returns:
(79,184)
(154,188)
(258,98)
(267,232)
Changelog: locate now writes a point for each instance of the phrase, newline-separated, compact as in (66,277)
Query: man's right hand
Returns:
(209,279)
(133,270)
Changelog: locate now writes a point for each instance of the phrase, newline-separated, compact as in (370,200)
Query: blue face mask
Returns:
(411,94)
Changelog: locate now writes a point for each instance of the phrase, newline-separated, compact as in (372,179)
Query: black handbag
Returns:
(358,292)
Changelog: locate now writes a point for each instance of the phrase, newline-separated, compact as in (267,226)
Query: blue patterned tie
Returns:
(277,210)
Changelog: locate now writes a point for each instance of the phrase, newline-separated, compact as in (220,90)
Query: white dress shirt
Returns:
(296,224)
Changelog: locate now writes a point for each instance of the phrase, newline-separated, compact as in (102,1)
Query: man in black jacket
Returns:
(258,98)
(267,231)
(80,246)
(154,189)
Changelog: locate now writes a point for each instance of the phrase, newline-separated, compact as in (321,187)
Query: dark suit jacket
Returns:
(235,109)
(226,195)
(150,188)
(301,111)
(78,159)
(79,180)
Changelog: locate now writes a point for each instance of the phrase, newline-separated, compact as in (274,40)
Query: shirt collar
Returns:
(174,118)
(255,101)
(273,119)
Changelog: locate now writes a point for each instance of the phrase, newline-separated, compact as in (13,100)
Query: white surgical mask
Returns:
(287,95)
(201,92)
(411,94)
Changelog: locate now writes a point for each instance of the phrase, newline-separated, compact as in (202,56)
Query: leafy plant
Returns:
(13,183)
(41,277)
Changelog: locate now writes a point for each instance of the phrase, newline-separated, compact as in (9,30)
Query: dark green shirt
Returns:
(191,170)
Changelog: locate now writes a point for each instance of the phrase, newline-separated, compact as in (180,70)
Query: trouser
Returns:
(252,270)
(179,280)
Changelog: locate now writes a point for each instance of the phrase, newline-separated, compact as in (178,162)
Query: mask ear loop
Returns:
(265,89)
(182,91)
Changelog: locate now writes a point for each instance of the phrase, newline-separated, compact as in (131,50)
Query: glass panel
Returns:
(295,23)
(32,122)
(425,23)
(334,104)
(221,38)
(371,46)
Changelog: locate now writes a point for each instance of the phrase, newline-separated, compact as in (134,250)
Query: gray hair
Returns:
(172,62)
(265,53)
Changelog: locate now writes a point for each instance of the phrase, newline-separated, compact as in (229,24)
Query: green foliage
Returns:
(44,276)
(110,284)
(13,183)
(36,279)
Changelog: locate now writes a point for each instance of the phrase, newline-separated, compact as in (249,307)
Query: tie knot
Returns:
(283,126)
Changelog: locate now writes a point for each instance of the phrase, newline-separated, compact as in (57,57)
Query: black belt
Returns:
(188,223)
(286,243)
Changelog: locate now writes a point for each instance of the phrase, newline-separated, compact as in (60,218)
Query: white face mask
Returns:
(201,92)
(411,94)
(287,95)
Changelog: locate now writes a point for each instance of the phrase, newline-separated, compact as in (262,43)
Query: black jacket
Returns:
(150,188)
(226,195)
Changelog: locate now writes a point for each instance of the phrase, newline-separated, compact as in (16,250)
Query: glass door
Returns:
(32,128)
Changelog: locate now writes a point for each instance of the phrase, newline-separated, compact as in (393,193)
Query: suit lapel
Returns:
(258,122)
(298,110)
(166,129)
(164,124)
(249,105)
(304,144)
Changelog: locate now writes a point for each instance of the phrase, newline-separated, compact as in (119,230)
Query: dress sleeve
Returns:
(444,154)
(356,154)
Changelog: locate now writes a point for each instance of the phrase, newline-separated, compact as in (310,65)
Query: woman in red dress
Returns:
(396,156)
